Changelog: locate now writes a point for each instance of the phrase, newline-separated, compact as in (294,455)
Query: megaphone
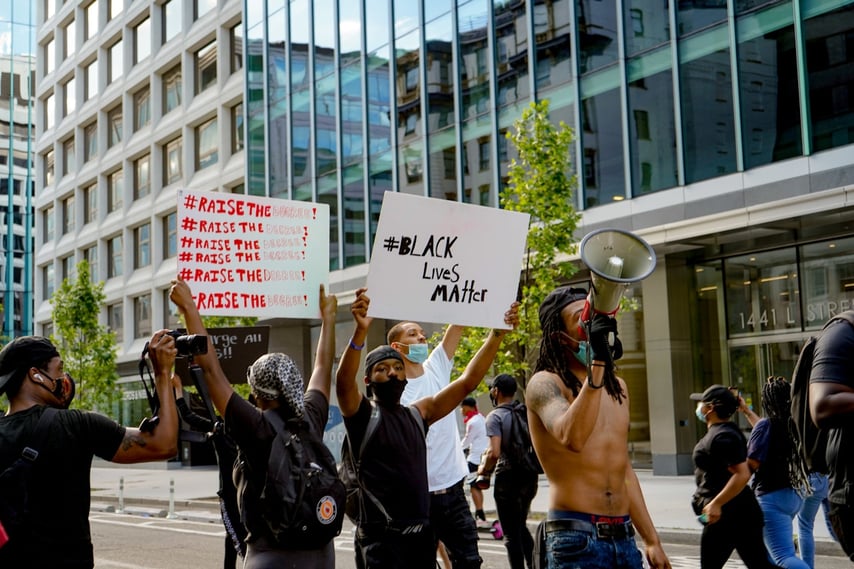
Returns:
(616,258)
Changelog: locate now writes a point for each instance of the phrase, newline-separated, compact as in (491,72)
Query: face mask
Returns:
(64,389)
(581,354)
(699,412)
(417,353)
(492,399)
(388,392)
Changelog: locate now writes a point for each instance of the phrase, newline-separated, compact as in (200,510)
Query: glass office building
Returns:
(722,132)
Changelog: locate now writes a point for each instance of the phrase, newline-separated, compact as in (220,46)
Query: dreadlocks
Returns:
(776,403)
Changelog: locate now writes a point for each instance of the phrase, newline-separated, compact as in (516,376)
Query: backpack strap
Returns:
(416,414)
(373,424)
(31,453)
(848,316)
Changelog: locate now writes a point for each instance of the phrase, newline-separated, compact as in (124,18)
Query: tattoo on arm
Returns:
(547,401)
(133,439)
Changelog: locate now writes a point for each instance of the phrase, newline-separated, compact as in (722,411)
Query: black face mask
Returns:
(492,398)
(388,392)
(64,389)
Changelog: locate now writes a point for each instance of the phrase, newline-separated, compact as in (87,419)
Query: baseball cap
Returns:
(506,384)
(379,354)
(21,353)
(717,394)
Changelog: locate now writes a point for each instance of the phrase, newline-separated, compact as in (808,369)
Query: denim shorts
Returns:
(582,549)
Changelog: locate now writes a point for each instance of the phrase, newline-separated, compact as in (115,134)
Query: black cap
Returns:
(557,300)
(379,354)
(22,353)
(506,384)
(469,402)
(719,396)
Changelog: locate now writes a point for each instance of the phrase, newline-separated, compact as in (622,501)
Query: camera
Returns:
(189,344)
(482,481)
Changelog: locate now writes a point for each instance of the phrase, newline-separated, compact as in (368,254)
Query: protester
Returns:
(725,505)
(394,462)
(226,453)
(474,443)
(275,383)
(514,489)
(31,374)
(446,464)
(779,481)
(831,397)
(580,434)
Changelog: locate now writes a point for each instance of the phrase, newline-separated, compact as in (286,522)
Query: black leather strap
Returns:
(601,530)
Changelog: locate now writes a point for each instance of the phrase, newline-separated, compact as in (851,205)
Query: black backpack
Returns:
(809,440)
(517,446)
(358,496)
(301,495)
(14,486)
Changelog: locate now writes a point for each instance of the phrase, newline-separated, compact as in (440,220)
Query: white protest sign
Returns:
(445,262)
(253,256)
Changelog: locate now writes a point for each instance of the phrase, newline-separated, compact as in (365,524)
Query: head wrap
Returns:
(379,354)
(557,300)
(22,353)
(276,376)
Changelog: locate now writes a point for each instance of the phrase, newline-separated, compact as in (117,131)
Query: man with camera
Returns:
(580,433)
(55,532)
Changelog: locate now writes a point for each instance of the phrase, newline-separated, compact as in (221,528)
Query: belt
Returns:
(602,530)
(447,490)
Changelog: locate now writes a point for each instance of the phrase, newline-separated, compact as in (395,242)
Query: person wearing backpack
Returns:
(283,407)
(54,518)
(831,405)
(515,483)
(394,531)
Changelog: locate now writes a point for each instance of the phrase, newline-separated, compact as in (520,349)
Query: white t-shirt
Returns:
(475,440)
(446,463)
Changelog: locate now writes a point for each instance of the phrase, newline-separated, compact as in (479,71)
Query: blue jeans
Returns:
(779,509)
(575,549)
(806,517)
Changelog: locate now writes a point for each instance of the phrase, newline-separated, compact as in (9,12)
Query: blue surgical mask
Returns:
(699,412)
(581,354)
(417,353)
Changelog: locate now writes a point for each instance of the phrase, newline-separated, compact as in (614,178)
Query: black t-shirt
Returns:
(769,444)
(722,446)
(394,464)
(248,427)
(59,483)
(833,362)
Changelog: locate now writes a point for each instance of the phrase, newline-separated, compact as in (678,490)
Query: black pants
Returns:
(842,520)
(513,495)
(454,526)
(739,529)
(379,549)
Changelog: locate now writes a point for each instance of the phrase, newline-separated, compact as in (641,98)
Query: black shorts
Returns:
(472,476)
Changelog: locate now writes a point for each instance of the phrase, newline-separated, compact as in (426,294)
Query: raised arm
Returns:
(451,339)
(349,396)
(162,442)
(218,385)
(321,376)
(435,407)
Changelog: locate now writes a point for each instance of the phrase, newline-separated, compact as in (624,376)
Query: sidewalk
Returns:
(146,491)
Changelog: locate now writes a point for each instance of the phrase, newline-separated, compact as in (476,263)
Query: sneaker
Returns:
(483,524)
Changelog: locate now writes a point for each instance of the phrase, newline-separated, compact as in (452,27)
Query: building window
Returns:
(202,7)
(114,256)
(48,167)
(142,316)
(49,112)
(91,256)
(90,141)
(90,87)
(236,34)
(206,144)
(116,66)
(142,246)
(48,284)
(483,155)
(69,97)
(142,176)
(637,22)
(114,319)
(141,108)
(205,62)
(142,40)
(237,128)
(70,39)
(642,124)
(173,170)
(68,215)
(91,23)
(172,89)
(49,57)
(114,135)
(90,203)
(172,19)
(68,268)
(116,7)
(69,157)
(449,160)
(170,235)
(115,191)
(49,9)
(47,220)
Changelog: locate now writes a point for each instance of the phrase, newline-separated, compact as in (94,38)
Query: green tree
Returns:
(88,349)
(541,183)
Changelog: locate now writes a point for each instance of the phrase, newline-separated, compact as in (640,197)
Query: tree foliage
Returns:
(88,349)
(541,183)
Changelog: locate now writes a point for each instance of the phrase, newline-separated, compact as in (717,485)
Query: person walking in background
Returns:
(779,479)
(474,443)
(514,488)
(728,510)
(816,498)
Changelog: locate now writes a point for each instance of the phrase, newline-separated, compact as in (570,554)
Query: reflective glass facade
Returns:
(346,100)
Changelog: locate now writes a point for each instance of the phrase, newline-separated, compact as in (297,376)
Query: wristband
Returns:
(590,383)
(355,346)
